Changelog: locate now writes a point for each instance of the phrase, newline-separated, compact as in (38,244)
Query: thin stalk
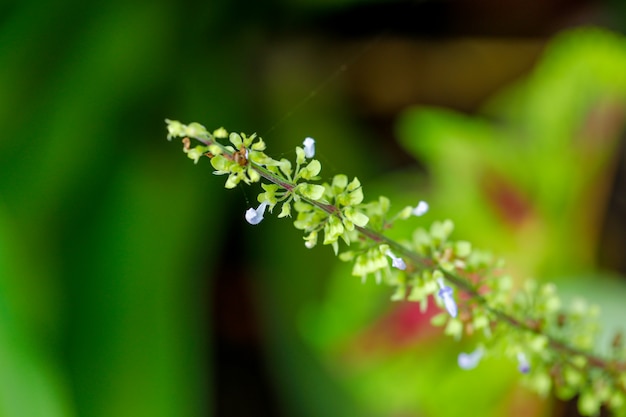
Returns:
(612,367)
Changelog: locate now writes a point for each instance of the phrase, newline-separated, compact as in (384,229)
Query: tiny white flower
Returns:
(396,262)
(309,147)
(254,216)
(445,293)
(469,361)
(420,209)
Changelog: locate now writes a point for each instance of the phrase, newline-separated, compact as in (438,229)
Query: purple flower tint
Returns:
(254,216)
(469,361)
(522,363)
(445,293)
(396,262)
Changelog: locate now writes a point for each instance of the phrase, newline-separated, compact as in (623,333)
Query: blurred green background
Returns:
(130,284)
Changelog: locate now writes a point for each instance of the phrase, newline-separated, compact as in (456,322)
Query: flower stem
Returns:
(612,367)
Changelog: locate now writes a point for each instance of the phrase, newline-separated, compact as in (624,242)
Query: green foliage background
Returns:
(111,242)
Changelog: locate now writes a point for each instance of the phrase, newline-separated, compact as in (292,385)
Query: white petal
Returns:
(445,293)
(450,304)
(254,216)
(523,365)
(309,147)
(399,264)
(396,262)
(420,209)
(469,361)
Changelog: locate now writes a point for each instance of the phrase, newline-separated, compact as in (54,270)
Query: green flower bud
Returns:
(311,240)
(303,223)
(260,158)
(419,294)
(311,170)
(462,248)
(354,185)
(285,210)
(441,230)
(197,131)
(253,175)
(259,145)
(269,195)
(616,401)
(355,197)
(221,164)
(439,320)
(175,129)
(573,377)
(311,191)
(332,230)
(399,294)
(285,167)
(588,404)
(232,181)
(339,183)
(236,140)
(300,156)
(347,256)
(355,217)
(220,133)
(195,153)
(480,322)
(405,213)
(369,263)
(215,149)
(302,207)
(384,204)
(454,328)
(349,226)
